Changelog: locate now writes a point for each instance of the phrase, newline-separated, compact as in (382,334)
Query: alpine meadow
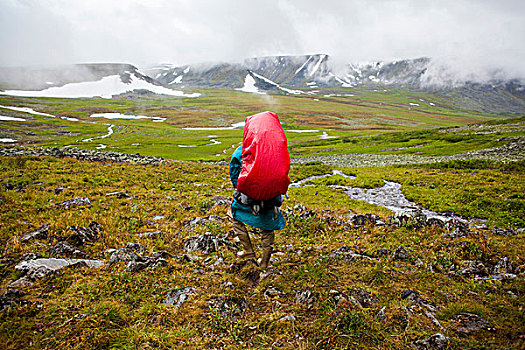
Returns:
(404,216)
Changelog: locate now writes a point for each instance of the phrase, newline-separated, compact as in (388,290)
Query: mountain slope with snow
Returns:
(81,81)
(309,73)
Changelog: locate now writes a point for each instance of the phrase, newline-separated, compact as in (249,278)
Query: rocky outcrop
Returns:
(82,154)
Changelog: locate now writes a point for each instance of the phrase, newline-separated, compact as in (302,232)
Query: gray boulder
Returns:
(76,202)
(434,342)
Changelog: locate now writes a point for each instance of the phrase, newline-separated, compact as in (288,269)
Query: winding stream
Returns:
(388,196)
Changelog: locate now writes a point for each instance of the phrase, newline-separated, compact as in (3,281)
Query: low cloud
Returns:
(472,36)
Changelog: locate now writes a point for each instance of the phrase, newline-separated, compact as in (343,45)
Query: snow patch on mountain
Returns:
(249,85)
(106,87)
(290,91)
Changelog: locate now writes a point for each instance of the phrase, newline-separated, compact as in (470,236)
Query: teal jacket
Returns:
(243,212)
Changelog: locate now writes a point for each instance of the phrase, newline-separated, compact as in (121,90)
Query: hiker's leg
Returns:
(242,233)
(267,238)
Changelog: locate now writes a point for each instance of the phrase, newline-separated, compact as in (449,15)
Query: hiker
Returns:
(259,173)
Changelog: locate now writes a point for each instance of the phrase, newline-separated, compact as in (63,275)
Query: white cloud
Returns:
(488,33)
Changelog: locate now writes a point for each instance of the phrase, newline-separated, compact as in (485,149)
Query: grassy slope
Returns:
(111,308)
(350,118)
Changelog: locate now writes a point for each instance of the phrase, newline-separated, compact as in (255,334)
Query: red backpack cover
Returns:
(265,158)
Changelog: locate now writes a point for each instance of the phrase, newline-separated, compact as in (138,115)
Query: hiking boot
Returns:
(247,249)
(267,248)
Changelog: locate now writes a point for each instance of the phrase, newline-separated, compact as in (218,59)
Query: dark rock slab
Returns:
(471,323)
(39,233)
(435,342)
(83,235)
(66,250)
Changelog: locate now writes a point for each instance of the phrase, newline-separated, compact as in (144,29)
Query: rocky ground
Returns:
(117,255)
(513,150)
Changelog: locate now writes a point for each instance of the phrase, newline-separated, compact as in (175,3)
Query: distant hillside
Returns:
(310,73)
(80,81)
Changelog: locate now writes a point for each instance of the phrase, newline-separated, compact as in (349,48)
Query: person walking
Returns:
(259,174)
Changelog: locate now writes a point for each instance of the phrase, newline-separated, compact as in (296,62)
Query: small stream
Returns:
(388,196)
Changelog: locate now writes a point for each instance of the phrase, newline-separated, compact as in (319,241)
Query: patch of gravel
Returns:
(513,150)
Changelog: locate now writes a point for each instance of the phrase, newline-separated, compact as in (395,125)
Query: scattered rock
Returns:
(305,298)
(287,318)
(272,292)
(153,234)
(380,315)
(409,218)
(472,268)
(383,252)
(29,256)
(59,190)
(299,207)
(191,223)
(76,202)
(337,296)
(231,307)
(503,231)
(220,200)
(206,243)
(435,342)
(12,297)
(118,194)
(362,298)
(471,323)
(188,258)
(348,255)
(179,296)
(502,266)
(132,251)
(400,253)
(434,222)
(364,219)
(39,233)
(65,250)
(83,235)
(157,259)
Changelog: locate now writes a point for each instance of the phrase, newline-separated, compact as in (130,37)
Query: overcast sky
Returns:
(476,33)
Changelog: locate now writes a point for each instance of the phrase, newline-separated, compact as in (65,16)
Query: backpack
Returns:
(265,159)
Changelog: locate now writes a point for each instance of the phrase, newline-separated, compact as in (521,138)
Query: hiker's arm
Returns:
(235,166)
